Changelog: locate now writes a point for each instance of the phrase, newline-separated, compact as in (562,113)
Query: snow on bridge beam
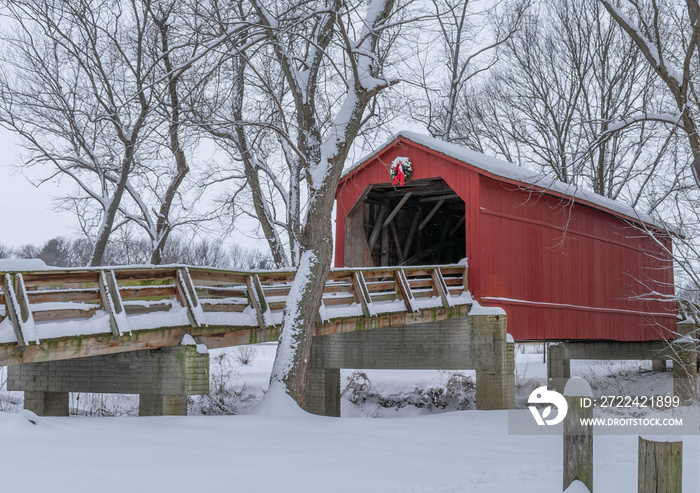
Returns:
(81,312)
(211,336)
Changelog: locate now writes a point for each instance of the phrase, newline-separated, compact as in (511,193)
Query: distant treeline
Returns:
(66,252)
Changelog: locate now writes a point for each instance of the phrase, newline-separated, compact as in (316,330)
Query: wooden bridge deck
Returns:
(60,314)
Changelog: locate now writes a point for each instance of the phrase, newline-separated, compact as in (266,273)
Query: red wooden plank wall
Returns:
(546,252)
(560,270)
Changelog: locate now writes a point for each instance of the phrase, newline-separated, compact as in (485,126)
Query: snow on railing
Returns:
(49,304)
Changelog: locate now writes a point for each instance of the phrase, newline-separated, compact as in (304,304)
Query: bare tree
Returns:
(469,36)
(244,132)
(95,97)
(78,95)
(329,56)
(249,258)
(177,43)
(567,77)
(668,37)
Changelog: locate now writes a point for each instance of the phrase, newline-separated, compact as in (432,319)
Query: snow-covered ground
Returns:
(425,449)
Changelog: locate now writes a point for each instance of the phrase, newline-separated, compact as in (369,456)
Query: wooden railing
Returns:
(50,304)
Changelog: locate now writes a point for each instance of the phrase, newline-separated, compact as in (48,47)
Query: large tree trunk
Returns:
(163,226)
(324,160)
(250,169)
(110,213)
(290,368)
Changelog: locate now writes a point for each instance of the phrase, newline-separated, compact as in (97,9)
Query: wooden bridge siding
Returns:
(426,164)
(381,284)
(586,258)
(513,253)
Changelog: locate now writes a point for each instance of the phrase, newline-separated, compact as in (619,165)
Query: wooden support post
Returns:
(558,368)
(660,466)
(685,359)
(384,258)
(256,296)
(459,223)
(332,392)
(396,209)
(112,302)
(431,214)
(405,290)
(360,286)
(188,296)
(411,234)
(578,438)
(397,245)
(12,309)
(323,314)
(465,276)
(377,228)
(441,288)
(23,300)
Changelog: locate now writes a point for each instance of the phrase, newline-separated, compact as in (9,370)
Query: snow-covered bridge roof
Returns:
(498,168)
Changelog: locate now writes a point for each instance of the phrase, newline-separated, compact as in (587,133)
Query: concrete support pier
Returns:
(163,378)
(475,342)
(46,403)
(162,405)
(683,352)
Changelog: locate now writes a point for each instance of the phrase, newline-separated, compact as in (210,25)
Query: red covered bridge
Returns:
(565,264)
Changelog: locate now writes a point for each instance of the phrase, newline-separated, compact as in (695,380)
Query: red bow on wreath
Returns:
(399,177)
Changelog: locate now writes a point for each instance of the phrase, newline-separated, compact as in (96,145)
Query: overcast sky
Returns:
(27,213)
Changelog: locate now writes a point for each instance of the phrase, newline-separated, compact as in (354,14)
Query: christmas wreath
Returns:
(401,170)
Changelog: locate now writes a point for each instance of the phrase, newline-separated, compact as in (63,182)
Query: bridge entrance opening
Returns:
(421,223)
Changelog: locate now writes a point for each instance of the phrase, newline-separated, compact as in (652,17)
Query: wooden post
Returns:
(558,368)
(188,296)
(685,357)
(377,227)
(255,301)
(12,309)
(112,302)
(405,290)
(411,234)
(660,466)
(384,258)
(578,438)
(361,291)
(440,288)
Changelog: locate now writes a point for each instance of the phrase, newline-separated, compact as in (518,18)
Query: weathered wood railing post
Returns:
(660,466)
(578,437)
(685,357)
